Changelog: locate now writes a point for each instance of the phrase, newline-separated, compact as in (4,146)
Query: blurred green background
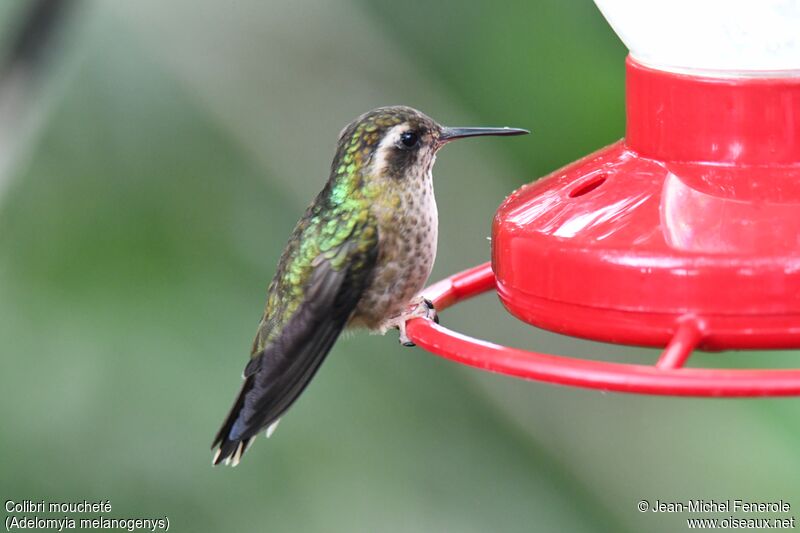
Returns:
(149,177)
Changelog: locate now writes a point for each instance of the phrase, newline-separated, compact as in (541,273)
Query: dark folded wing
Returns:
(276,376)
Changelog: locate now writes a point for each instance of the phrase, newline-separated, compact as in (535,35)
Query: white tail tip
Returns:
(272,427)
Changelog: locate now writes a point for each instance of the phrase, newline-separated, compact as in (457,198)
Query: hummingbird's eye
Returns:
(409,139)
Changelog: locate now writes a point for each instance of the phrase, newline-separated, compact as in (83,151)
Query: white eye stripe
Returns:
(387,144)
(392,136)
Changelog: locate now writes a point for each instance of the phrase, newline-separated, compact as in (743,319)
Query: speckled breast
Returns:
(407,232)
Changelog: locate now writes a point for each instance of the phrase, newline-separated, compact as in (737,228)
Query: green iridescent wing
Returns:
(340,234)
(294,347)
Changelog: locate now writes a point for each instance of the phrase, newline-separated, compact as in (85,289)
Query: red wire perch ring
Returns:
(667,377)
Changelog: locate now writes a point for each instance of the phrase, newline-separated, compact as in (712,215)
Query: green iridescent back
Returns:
(340,214)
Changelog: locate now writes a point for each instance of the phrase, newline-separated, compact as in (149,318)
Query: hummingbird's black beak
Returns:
(450,134)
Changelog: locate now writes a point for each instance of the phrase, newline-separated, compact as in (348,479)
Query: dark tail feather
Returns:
(271,386)
(232,450)
(276,376)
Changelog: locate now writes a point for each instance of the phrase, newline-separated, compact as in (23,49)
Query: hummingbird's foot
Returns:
(419,308)
(432,314)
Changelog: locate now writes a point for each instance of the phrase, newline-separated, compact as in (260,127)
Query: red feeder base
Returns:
(686,234)
(665,378)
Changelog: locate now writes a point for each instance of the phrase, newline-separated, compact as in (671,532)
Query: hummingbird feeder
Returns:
(683,235)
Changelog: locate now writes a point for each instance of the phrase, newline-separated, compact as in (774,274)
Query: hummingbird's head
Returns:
(398,142)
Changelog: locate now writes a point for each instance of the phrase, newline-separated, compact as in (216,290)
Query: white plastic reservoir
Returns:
(716,37)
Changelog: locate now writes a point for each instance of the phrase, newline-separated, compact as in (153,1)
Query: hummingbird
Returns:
(356,259)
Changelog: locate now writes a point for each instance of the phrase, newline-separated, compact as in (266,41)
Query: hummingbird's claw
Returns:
(432,314)
(404,339)
(419,308)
